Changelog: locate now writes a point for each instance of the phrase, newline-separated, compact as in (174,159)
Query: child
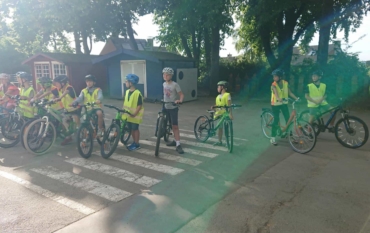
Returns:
(7,89)
(92,94)
(48,92)
(316,98)
(67,95)
(134,103)
(223,99)
(279,91)
(26,94)
(170,90)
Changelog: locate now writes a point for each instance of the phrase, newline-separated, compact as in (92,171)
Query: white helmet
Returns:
(168,70)
(3,76)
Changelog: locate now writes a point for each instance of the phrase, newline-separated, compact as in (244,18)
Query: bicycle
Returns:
(163,126)
(87,132)
(357,130)
(299,132)
(118,130)
(46,129)
(208,129)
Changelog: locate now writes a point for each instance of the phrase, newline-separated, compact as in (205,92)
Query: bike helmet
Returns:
(223,84)
(4,76)
(61,79)
(90,77)
(168,70)
(318,73)
(24,75)
(45,81)
(278,72)
(133,78)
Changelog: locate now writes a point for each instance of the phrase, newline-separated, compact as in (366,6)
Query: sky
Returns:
(145,28)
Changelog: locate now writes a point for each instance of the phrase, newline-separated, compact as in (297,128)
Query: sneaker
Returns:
(273,142)
(173,143)
(66,141)
(133,146)
(179,149)
(218,144)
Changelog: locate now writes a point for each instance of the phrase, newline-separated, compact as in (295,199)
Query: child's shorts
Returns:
(133,126)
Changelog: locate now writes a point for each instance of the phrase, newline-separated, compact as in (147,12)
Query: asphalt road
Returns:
(257,188)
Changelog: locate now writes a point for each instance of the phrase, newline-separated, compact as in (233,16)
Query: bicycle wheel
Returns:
(85,141)
(305,116)
(110,141)
(351,132)
(301,136)
(125,134)
(267,119)
(159,134)
(228,127)
(167,131)
(39,137)
(10,131)
(202,127)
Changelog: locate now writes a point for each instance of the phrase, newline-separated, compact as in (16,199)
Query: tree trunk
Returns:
(207,49)
(130,32)
(215,58)
(266,43)
(76,36)
(199,42)
(184,42)
(325,24)
(85,43)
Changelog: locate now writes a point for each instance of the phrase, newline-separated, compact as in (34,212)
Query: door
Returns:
(137,67)
(188,80)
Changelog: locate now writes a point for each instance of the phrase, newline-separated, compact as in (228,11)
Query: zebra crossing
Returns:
(140,168)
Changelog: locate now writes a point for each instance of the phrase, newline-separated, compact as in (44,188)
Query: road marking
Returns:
(113,171)
(46,193)
(102,190)
(178,159)
(142,163)
(201,144)
(192,131)
(209,139)
(186,150)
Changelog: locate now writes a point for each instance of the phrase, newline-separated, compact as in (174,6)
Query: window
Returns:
(59,69)
(42,69)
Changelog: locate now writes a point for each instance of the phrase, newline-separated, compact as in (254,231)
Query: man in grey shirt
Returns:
(171,92)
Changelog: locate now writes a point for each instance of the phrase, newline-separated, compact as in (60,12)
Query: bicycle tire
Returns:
(316,124)
(15,139)
(206,125)
(339,138)
(267,119)
(23,130)
(228,127)
(33,150)
(159,135)
(299,133)
(81,142)
(125,134)
(113,135)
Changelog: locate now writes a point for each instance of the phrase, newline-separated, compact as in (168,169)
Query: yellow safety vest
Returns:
(131,105)
(67,100)
(56,106)
(91,98)
(2,92)
(223,101)
(283,93)
(26,110)
(316,94)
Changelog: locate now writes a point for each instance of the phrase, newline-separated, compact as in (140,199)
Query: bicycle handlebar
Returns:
(163,102)
(227,107)
(118,109)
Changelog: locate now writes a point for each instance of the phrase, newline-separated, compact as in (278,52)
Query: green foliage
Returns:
(11,59)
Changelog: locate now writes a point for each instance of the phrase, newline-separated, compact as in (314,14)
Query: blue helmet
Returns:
(133,78)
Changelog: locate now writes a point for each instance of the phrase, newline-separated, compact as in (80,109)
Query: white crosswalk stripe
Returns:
(208,140)
(200,144)
(175,158)
(102,190)
(186,150)
(113,171)
(143,163)
(46,193)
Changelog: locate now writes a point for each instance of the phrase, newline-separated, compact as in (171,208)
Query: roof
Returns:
(154,56)
(65,57)
(311,54)
(142,44)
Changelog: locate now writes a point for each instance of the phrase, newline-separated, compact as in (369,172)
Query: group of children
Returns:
(65,98)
